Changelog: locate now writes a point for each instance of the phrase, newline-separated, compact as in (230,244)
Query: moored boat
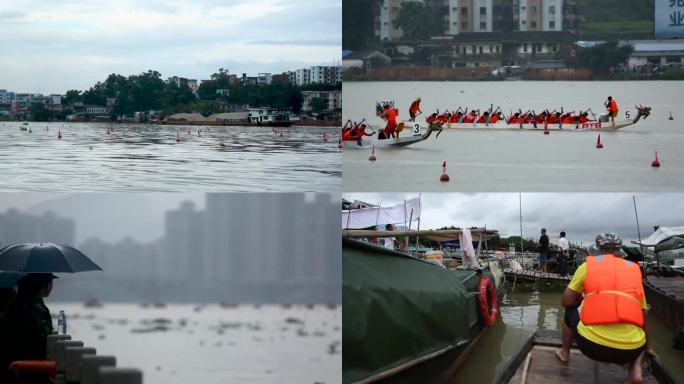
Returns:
(400,311)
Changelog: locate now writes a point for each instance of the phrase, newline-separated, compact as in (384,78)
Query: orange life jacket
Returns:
(612,107)
(391,115)
(612,292)
(415,106)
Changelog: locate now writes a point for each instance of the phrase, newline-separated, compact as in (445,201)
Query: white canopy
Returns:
(402,213)
(662,233)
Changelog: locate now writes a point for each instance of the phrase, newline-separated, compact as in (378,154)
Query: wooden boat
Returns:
(535,362)
(400,312)
(402,141)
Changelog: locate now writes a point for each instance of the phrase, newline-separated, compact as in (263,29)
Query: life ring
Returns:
(485,286)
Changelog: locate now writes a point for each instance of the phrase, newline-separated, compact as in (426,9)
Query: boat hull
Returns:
(399,311)
(386,143)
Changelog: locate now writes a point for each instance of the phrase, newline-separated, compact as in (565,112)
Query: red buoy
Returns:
(325,138)
(177,138)
(59,135)
(671,118)
(656,163)
(444,176)
(598,142)
(372,156)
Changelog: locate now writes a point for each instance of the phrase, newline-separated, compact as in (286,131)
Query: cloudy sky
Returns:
(52,46)
(581,215)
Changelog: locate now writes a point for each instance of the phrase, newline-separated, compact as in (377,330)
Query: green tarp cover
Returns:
(396,308)
(674,242)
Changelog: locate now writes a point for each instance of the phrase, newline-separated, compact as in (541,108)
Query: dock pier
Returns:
(75,363)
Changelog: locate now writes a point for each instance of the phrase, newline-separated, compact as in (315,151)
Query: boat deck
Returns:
(540,365)
(530,275)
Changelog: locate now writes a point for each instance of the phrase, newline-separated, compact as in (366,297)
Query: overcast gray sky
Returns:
(53,46)
(581,215)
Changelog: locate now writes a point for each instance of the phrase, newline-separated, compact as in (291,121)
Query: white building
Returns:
(181,81)
(264,79)
(333,98)
(539,15)
(302,77)
(6,97)
(656,52)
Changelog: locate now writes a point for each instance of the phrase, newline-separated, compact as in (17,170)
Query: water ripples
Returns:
(147,158)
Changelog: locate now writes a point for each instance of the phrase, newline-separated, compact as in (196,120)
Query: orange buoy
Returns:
(444,176)
(656,163)
(598,142)
(59,135)
(671,118)
(372,156)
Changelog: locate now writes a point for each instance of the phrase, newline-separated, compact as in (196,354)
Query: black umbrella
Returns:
(44,258)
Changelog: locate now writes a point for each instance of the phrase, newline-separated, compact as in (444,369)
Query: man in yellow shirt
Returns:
(604,309)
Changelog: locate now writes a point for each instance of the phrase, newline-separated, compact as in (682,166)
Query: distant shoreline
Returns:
(306,123)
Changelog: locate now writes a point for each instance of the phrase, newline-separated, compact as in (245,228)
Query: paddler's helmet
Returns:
(607,241)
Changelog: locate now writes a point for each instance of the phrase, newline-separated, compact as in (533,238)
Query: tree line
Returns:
(147,91)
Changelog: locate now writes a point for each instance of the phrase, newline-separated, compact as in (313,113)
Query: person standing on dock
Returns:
(414,109)
(543,250)
(25,322)
(605,309)
(564,246)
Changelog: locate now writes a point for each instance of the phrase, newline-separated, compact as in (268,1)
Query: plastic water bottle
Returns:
(61,324)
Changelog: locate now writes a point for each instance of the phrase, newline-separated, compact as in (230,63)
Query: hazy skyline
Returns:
(108,216)
(53,47)
(581,215)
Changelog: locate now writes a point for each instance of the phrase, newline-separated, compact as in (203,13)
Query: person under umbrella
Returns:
(25,322)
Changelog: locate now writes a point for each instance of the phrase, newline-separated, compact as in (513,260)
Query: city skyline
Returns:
(56,47)
(275,245)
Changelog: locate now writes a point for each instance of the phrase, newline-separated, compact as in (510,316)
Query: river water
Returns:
(147,158)
(526,309)
(482,161)
(214,345)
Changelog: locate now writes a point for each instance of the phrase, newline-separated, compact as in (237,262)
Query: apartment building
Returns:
(538,15)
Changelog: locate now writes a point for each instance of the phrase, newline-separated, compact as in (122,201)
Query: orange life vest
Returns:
(391,115)
(415,106)
(612,107)
(612,292)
